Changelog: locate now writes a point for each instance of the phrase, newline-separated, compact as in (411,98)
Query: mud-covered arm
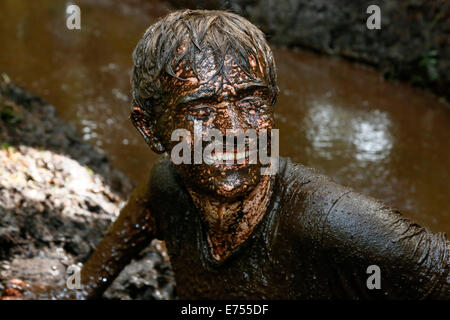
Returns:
(414,262)
(351,232)
(131,232)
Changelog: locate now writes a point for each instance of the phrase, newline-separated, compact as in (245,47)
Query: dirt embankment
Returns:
(58,195)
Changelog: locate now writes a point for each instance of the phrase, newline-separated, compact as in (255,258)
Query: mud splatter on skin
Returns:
(231,198)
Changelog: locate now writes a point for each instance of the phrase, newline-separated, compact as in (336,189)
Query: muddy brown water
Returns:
(384,139)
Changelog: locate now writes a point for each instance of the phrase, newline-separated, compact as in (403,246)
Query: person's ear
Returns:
(146,127)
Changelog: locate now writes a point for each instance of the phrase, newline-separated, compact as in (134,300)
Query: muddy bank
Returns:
(412,45)
(58,195)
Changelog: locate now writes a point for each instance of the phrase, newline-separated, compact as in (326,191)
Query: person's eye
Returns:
(250,103)
(200,111)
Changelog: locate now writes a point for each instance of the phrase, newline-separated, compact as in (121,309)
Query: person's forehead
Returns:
(207,78)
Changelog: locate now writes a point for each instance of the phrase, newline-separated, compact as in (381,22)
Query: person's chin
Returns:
(229,192)
(227,183)
(233,186)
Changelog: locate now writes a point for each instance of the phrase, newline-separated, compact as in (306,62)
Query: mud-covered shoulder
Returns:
(168,196)
(305,198)
(164,179)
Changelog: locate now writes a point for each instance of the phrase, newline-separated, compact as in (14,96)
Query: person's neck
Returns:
(230,224)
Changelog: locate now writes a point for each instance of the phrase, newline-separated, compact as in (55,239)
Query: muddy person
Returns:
(231,231)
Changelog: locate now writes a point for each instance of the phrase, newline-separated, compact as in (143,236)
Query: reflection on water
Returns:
(364,135)
(371,137)
(383,139)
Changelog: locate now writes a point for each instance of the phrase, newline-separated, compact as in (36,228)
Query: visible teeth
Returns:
(227,156)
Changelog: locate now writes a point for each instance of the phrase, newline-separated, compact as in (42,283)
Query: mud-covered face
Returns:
(237,102)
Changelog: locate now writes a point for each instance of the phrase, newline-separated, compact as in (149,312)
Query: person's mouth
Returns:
(227,158)
(232,156)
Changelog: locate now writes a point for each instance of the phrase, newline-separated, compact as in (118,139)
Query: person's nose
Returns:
(229,119)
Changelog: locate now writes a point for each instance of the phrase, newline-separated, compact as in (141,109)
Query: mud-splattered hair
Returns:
(223,33)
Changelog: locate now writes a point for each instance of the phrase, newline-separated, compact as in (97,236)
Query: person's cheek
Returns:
(265,120)
(249,119)
(169,125)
